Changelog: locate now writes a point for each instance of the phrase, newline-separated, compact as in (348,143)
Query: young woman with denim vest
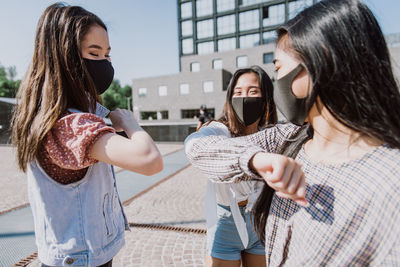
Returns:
(335,83)
(67,149)
(231,239)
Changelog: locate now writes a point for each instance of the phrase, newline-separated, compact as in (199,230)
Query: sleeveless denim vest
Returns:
(78,224)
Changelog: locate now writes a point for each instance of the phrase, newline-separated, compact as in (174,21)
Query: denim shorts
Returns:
(223,240)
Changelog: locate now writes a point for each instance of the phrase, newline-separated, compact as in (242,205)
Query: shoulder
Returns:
(69,141)
(281,132)
(79,118)
(287,129)
(385,163)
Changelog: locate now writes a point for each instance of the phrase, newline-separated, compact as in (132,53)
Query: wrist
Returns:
(246,164)
(255,162)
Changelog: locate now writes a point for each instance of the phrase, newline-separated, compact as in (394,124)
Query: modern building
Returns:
(215,38)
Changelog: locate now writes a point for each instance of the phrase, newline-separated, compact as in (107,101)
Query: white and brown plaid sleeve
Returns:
(225,159)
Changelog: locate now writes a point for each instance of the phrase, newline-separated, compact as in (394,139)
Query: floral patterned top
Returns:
(64,154)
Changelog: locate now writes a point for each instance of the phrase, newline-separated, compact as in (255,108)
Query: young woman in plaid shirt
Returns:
(334,73)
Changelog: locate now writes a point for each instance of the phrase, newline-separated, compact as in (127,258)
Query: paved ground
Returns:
(148,248)
(13,189)
(176,202)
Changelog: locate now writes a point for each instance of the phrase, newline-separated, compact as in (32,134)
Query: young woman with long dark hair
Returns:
(65,146)
(231,239)
(334,73)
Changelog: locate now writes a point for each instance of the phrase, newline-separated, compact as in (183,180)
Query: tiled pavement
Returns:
(176,202)
(13,190)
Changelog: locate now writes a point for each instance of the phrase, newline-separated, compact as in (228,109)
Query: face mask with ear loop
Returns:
(248,109)
(293,108)
(101,72)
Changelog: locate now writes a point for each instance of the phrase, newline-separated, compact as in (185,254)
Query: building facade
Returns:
(216,37)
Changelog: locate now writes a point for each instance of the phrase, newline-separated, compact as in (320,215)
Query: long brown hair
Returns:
(56,80)
(270,116)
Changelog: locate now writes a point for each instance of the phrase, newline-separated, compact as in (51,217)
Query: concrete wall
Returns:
(255,57)
(174,102)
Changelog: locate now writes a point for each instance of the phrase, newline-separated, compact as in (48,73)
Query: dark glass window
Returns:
(148,115)
(194,113)
(268,58)
(163,115)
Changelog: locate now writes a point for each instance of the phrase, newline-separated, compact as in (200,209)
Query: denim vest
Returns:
(78,224)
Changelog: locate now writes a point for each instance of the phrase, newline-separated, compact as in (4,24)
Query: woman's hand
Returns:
(123,120)
(282,174)
(136,153)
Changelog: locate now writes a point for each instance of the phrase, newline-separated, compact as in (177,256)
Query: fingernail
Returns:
(303,203)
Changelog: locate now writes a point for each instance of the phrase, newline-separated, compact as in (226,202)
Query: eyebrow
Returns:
(97,47)
(252,86)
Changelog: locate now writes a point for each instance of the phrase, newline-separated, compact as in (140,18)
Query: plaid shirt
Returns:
(353,218)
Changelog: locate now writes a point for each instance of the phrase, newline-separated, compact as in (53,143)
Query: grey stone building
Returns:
(216,37)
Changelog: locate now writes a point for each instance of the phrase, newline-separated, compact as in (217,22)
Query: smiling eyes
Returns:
(251,92)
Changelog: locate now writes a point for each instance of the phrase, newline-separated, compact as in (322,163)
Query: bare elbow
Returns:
(155,164)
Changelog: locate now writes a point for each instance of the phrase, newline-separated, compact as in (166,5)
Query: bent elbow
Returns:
(155,164)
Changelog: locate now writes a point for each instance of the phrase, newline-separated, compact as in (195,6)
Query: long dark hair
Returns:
(57,78)
(269,110)
(342,47)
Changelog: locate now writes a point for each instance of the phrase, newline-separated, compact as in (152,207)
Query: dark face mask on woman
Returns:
(293,108)
(102,73)
(248,109)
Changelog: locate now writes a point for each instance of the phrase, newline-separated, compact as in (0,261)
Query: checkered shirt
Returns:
(354,213)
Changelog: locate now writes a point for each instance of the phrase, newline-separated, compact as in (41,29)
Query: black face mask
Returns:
(248,109)
(293,108)
(102,73)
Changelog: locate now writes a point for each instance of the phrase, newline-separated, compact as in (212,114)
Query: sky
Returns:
(143,33)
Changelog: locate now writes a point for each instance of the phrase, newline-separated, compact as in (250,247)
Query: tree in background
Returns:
(8,84)
(117,96)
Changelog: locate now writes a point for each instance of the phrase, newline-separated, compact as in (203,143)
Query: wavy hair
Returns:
(56,80)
